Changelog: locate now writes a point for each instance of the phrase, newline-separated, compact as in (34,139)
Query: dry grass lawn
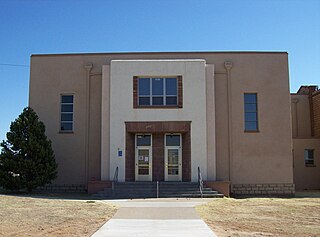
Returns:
(29,216)
(263,216)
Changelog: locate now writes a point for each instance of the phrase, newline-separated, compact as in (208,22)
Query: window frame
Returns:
(307,158)
(151,96)
(164,94)
(61,113)
(247,112)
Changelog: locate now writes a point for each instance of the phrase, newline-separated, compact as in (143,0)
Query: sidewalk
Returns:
(156,218)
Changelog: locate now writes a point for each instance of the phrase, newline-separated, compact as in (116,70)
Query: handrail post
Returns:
(115,177)
(157,182)
(157,189)
(200,181)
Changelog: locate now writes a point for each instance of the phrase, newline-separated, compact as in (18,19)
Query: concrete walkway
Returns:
(156,218)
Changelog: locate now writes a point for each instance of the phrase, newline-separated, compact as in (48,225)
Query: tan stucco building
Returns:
(306,137)
(161,116)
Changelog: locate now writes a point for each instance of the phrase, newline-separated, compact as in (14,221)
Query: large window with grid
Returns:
(66,113)
(158,91)
(250,112)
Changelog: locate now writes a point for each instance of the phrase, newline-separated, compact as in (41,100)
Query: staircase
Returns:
(149,190)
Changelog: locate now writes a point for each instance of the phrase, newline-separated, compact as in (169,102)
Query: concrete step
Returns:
(188,191)
(188,195)
(149,190)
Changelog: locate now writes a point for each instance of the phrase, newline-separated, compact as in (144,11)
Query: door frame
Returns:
(168,177)
(137,176)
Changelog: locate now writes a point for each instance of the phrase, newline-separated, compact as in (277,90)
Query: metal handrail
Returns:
(157,182)
(200,181)
(115,177)
(157,189)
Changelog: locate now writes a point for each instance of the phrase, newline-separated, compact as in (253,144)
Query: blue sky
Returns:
(70,26)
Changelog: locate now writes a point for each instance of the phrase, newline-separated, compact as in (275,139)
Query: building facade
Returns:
(164,116)
(306,137)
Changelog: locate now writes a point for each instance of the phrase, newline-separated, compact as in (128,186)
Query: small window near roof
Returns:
(66,113)
(250,112)
(309,157)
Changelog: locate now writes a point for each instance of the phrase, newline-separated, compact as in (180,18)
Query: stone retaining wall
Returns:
(77,188)
(263,189)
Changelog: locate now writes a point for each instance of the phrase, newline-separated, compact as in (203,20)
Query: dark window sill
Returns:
(310,165)
(159,107)
(251,131)
(66,132)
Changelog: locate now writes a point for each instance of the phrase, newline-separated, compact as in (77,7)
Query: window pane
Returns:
(66,117)
(171,86)
(309,162)
(157,86)
(171,100)
(67,99)
(144,140)
(144,86)
(251,116)
(143,170)
(157,100)
(173,157)
(172,140)
(250,98)
(144,100)
(310,154)
(173,171)
(250,107)
(66,108)
(251,126)
(66,126)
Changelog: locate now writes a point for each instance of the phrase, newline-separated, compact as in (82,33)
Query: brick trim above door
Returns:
(158,127)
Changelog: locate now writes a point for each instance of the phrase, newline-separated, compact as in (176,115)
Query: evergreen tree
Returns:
(26,158)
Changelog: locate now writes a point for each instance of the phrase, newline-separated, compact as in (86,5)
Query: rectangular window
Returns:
(309,157)
(157,91)
(143,140)
(172,140)
(66,113)
(250,112)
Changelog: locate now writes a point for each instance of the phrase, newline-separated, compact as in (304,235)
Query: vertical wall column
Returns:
(88,67)
(211,124)
(105,123)
(295,117)
(228,66)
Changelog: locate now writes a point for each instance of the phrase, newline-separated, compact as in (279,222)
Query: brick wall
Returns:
(186,157)
(158,157)
(316,113)
(130,157)
(263,189)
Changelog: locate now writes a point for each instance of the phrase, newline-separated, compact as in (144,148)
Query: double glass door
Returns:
(172,157)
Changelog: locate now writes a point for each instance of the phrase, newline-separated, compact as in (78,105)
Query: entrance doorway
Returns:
(173,157)
(143,157)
